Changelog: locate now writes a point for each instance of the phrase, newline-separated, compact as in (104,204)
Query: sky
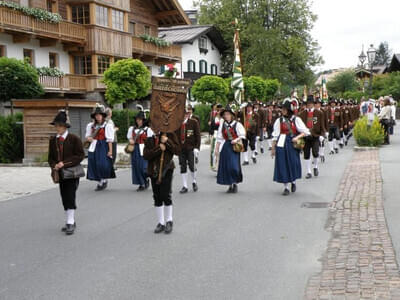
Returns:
(344,26)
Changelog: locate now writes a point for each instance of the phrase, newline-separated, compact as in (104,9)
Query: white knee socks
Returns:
(70,216)
(184,179)
(246,156)
(193,176)
(168,213)
(160,214)
(308,166)
(315,161)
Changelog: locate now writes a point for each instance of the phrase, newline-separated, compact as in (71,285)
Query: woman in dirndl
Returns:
(100,135)
(230,132)
(137,136)
(288,130)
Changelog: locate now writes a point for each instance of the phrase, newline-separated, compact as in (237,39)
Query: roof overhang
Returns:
(57,103)
(170,13)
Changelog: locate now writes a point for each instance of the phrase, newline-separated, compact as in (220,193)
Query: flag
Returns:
(237,78)
(305,93)
(324,90)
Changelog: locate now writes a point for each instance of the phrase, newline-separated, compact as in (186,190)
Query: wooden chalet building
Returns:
(91,36)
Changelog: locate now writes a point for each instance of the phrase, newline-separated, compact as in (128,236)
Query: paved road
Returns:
(252,245)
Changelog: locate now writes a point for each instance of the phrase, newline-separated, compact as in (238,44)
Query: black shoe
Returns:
(99,187)
(341,146)
(64,229)
(332,152)
(286,192)
(255,153)
(294,188)
(337,150)
(168,227)
(147,184)
(308,176)
(160,228)
(183,190)
(316,172)
(140,188)
(322,158)
(105,184)
(195,187)
(254,160)
(246,163)
(262,150)
(234,189)
(345,143)
(70,229)
(230,190)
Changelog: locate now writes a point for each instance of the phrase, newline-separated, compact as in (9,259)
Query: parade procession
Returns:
(208,149)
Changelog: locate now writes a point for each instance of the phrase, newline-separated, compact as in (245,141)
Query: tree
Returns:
(275,36)
(383,54)
(343,82)
(271,88)
(18,80)
(254,87)
(386,84)
(210,89)
(127,79)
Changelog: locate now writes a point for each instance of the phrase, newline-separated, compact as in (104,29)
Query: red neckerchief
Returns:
(310,115)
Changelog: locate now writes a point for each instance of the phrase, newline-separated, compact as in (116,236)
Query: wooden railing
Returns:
(65,83)
(139,46)
(14,20)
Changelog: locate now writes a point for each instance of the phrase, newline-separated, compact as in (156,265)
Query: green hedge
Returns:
(123,122)
(11,139)
(368,136)
(203,112)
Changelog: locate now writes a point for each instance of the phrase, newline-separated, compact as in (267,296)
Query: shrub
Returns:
(210,89)
(203,112)
(123,119)
(368,136)
(11,139)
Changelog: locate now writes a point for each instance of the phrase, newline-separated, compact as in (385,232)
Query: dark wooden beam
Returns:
(47,42)
(21,38)
(163,14)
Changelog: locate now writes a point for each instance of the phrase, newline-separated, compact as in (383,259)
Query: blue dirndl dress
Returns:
(287,162)
(229,169)
(100,166)
(139,167)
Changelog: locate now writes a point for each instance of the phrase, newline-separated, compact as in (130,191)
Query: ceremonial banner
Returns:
(237,78)
(324,90)
(168,102)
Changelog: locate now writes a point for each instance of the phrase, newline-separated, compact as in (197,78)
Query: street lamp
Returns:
(371,53)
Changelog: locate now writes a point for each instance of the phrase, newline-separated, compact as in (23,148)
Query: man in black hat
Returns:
(66,151)
(190,144)
(335,122)
(261,127)
(318,106)
(314,121)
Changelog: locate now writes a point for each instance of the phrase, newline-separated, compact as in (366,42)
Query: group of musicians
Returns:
(289,127)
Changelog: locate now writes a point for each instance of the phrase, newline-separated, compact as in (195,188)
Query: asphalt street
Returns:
(255,244)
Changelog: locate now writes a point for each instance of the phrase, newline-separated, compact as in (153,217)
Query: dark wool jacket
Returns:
(73,152)
(318,128)
(191,138)
(152,153)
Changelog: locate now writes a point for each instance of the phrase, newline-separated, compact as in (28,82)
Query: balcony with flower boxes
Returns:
(13,21)
(149,51)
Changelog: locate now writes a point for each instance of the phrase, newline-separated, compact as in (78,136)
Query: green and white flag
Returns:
(237,78)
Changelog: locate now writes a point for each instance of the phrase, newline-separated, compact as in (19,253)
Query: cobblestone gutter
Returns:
(360,261)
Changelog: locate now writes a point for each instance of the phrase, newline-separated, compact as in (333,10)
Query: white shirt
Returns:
(109,131)
(393,107)
(385,113)
(240,131)
(300,126)
(64,135)
(150,132)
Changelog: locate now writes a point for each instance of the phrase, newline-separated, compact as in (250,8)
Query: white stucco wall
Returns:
(41,54)
(192,52)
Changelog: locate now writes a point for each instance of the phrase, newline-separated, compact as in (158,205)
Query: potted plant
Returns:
(171,71)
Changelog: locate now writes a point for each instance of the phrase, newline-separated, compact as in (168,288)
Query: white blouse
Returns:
(109,131)
(240,131)
(385,113)
(300,126)
(145,129)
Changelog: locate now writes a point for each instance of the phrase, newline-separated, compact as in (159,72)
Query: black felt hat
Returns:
(227,109)
(61,119)
(99,109)
(310,99)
